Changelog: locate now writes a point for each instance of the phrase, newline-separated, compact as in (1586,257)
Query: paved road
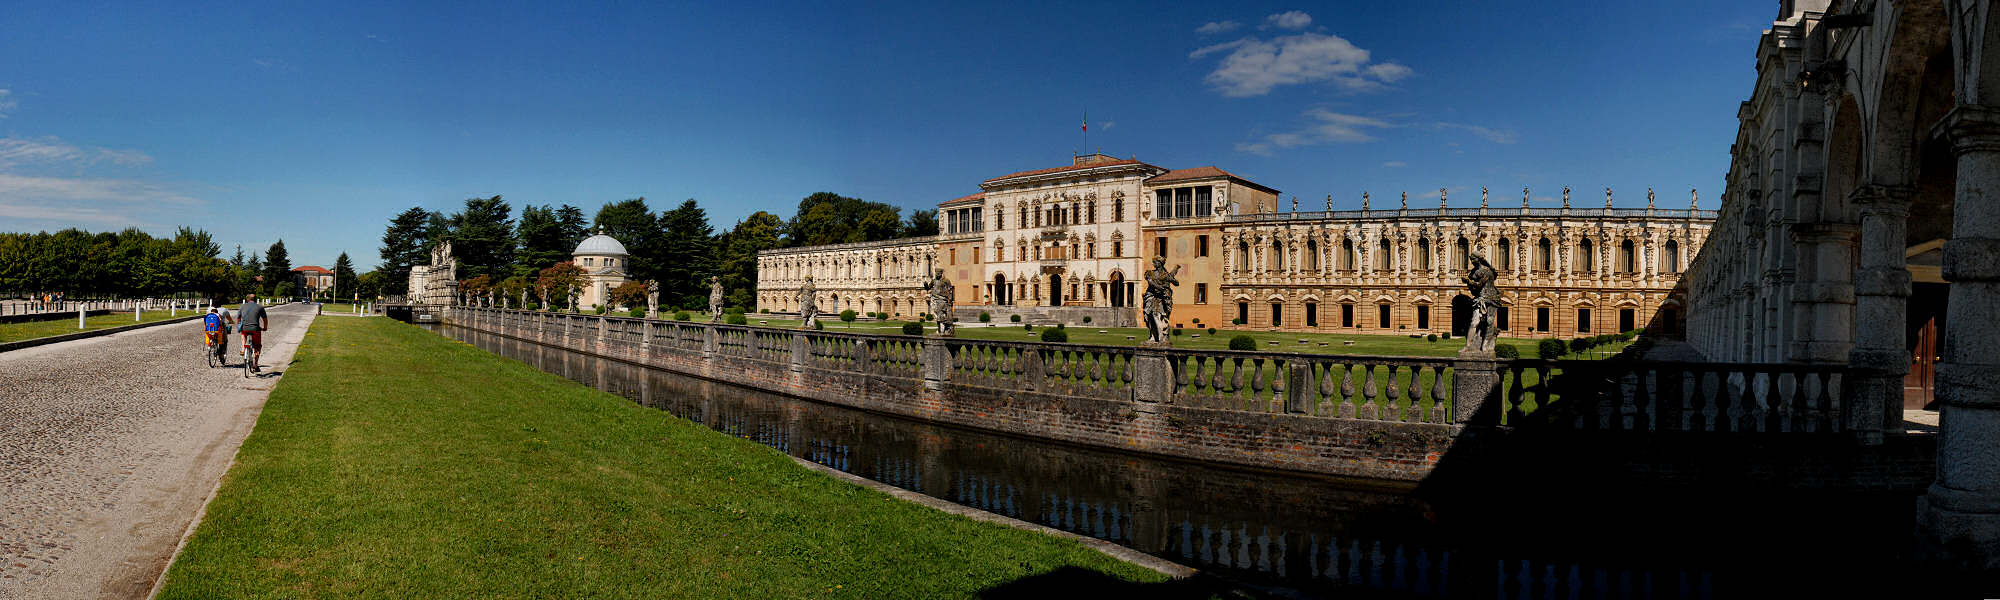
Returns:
(110,446)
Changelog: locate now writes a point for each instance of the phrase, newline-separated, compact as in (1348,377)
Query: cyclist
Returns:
(215,328)
(251,322)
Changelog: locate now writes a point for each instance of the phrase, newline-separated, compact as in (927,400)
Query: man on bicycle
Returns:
(251,322)
(215,330)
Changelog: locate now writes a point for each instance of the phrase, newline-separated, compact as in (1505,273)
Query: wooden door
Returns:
(1918,385)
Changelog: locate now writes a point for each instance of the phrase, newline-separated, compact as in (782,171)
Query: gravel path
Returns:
(110,446)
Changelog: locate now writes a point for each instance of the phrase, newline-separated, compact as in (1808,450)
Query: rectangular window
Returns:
(1627,320)
(1542,319)
(1583,320)
(1277,315)
(999,220)
(1160,246)
(1243,313)
(954,256)
(1312,315)
(978,220)
(1382,315)
(1202,202)
(1183,203)
(1503,318)
(975,255)
(1201,293)
(1117,249)
(1163,204)
(1423,317)
(1201,245)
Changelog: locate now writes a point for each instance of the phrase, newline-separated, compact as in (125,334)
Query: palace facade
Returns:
(1064,243)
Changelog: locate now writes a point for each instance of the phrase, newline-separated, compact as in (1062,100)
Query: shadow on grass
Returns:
(1079,582)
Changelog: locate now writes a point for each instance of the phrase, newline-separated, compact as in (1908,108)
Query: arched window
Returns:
(1670,258)
(1586,255)
(1544,261)
(1243,256)
(999,217)
(1627,260)
(1090,214)
(1505,258)
(1312,254)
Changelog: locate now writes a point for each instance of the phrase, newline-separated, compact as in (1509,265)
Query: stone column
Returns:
(1152,377)
(1475,379)
(1960,523)
(1882,291)
(936,361)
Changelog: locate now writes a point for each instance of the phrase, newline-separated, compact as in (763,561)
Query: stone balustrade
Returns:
(1370,416)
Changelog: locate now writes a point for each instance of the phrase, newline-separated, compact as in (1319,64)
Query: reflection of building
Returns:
(603,261)
(312,280)
(1065,243)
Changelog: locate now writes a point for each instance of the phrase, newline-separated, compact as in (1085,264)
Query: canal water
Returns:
(1300,535)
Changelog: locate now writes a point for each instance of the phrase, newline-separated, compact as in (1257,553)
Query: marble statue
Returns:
(714,299)
(808,305)
(1480,333)
(940,302)
(575,296)
(1158,303)
(652,299)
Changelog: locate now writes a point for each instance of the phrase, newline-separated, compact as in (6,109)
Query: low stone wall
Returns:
(1383,418)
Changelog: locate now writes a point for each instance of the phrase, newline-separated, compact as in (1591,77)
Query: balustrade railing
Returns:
(1614,395)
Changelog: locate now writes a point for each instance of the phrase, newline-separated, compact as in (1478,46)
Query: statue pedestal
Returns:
(936,360)
(1152,376)
(1475,380)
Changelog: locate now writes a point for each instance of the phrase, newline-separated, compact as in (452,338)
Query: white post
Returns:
(79,318)
(136,311)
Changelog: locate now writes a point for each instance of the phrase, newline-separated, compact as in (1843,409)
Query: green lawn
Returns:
(338,307)
(14,332)
(1382,345)
(375,472)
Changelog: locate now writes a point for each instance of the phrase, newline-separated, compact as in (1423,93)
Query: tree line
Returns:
(676,247)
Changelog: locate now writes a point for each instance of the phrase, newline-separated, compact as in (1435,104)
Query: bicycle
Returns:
(212,349)
(249,360)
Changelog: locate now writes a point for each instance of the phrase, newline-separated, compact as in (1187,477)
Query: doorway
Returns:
(1055,290)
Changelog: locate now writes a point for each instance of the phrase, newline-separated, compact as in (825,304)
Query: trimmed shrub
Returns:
(1055,335)
(1061,326)
(636,312)
(1433,338)
(1177,331)
(1445,335)
(985,317)
(1086,319)
(732,310)
(1506,351)
(819,325)
(1235,321)
(1028,326)
(1579,344)
(601,309)
(1211,331)
(1551,349)
(681,316)
(764,310)
(913,329)
(1014,318)
(847,316)
(1242,342)
(736,319)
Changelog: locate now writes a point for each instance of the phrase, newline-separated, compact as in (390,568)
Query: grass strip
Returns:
(28,330)
(392,462)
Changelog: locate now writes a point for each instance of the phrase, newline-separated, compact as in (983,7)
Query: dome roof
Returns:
(600,245)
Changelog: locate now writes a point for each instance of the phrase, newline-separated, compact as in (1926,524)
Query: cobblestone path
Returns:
(110,446)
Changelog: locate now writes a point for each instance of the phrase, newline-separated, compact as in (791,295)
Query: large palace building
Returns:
(1065,243)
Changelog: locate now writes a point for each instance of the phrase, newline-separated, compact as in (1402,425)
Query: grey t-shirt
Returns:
(247,316)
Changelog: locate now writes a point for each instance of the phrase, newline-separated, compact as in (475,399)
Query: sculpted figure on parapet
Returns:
(1480,336)
(1158,303)
(652,299)
(940,301)
(714,299)
(808,304)
(575,295)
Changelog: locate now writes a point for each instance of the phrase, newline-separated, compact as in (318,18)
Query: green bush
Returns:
(681,316)
(636,312)
(1236,321)
(1211,331)
(1506,351)
(733,310)
(1086,319)
(736,319)
(819,325)
(1061,325)
(1433,338)
(1242,342)
(985,317)
(1014,318)
(1579,344)
(1055,335)
(764,311)
(847,316)
(1445,335)
(1028,326)
(1550,349)
(601,309)
(913,329)
(1177,331)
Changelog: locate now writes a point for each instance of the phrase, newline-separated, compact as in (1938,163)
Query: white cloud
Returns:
(50,151)
(1395,164)
(88,200)
(1109,124)
(7,102)
(1325,127)
(1254,66)
(1216,27)
(1296,19)
(1496,136)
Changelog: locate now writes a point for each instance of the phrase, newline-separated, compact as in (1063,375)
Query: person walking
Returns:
(251,323)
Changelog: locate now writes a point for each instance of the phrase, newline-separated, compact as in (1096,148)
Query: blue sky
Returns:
(317,122)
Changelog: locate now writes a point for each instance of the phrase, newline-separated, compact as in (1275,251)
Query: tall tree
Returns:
(541,240)
(574,227)
(343,276)
(482,238)
(736,255)
(633,224)
(403,245)
(921,223)
(690,244)
(277,265)
(829,218)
